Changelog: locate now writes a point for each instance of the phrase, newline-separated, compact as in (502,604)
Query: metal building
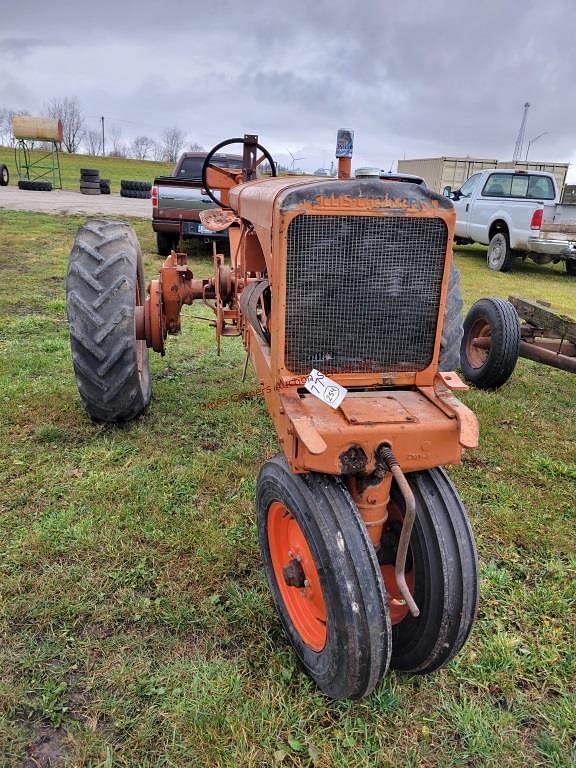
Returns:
(442,172)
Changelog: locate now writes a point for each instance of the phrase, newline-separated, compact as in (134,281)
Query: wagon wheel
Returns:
(104,285)
(491,343)
(325,579)
(231,173)
(441,572)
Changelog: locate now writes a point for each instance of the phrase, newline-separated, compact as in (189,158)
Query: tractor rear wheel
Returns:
(441,572)
(325,579)
(105,284)
(452,331)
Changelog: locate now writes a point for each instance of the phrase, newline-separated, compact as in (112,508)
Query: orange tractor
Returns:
(347,302)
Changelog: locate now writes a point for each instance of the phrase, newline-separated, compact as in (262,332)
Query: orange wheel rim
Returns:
(139,343)
(304,602)
(477,356)
(396,603)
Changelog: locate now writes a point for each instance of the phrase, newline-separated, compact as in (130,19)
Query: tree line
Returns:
(79,138)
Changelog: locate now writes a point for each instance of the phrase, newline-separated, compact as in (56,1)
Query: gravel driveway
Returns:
(65,201)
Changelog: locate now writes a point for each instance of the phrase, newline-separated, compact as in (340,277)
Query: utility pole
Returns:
(520,138)
(103,144)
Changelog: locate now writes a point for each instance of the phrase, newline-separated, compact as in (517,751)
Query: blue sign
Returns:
(344,143)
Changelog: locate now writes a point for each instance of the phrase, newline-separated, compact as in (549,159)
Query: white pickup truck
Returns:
(516,213)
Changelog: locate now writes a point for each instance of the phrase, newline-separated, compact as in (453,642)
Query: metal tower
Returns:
(520,139)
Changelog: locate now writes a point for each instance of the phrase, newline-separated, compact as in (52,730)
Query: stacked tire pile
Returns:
(104,186)
(141,189)
(90,181)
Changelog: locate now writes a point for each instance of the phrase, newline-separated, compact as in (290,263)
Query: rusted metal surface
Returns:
(353,461)
(412,409)
(218,219)
(541,355)
(403,544)
(37,128)
(293,573)
(372,502)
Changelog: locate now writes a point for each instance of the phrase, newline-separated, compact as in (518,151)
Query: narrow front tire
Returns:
(325,579)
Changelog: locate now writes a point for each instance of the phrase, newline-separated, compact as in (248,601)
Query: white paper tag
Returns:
(325,389)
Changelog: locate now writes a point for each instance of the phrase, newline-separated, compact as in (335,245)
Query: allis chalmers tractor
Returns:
(339,288)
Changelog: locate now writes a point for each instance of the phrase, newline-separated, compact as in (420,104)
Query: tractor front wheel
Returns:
(441,572)
(325,579)
(105,284)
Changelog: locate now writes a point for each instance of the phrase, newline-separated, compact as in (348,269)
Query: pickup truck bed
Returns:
(178,199)
(516,213)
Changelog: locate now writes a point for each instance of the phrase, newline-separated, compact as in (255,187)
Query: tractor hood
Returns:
(258,201)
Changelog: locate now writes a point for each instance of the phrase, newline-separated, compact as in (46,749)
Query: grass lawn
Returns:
(113,168)
(136,625)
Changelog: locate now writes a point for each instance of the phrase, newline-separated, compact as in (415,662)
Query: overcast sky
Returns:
(412,78)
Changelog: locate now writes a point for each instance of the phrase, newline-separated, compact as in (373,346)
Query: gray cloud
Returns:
(418,78)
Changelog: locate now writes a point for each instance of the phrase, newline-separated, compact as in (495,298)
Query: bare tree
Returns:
(93,141)
(173,140)
(6,116)
(68,110)
(142,147)
(5,126)
(195,147)
(158,151)
(118,147)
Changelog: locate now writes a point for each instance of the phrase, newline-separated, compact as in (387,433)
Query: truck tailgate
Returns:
(182,198)
(559,221)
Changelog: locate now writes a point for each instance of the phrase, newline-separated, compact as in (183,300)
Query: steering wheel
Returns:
(247,173)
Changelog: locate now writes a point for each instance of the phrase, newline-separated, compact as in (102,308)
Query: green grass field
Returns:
(113,168)
(136,625)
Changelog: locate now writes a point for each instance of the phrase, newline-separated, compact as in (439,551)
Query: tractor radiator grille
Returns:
(363,292)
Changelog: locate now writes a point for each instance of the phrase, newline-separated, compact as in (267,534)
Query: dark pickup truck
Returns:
(180,198)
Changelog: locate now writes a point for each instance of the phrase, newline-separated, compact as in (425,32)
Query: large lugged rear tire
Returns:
(497,321)
(334,609)
(442,571)
(105,283)
(449,359)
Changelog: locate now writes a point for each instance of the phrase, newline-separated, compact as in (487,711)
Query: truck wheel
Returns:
(165,242)
(442,573)
(4,175)
(499,256)
(104,285)
(452,330)
(325,579)
(571,267)
(497,321)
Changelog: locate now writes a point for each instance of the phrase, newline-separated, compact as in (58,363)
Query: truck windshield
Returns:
(528,186)
(191,167)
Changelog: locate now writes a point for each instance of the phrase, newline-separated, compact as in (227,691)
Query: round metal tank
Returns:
(367,173)
(37,128)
